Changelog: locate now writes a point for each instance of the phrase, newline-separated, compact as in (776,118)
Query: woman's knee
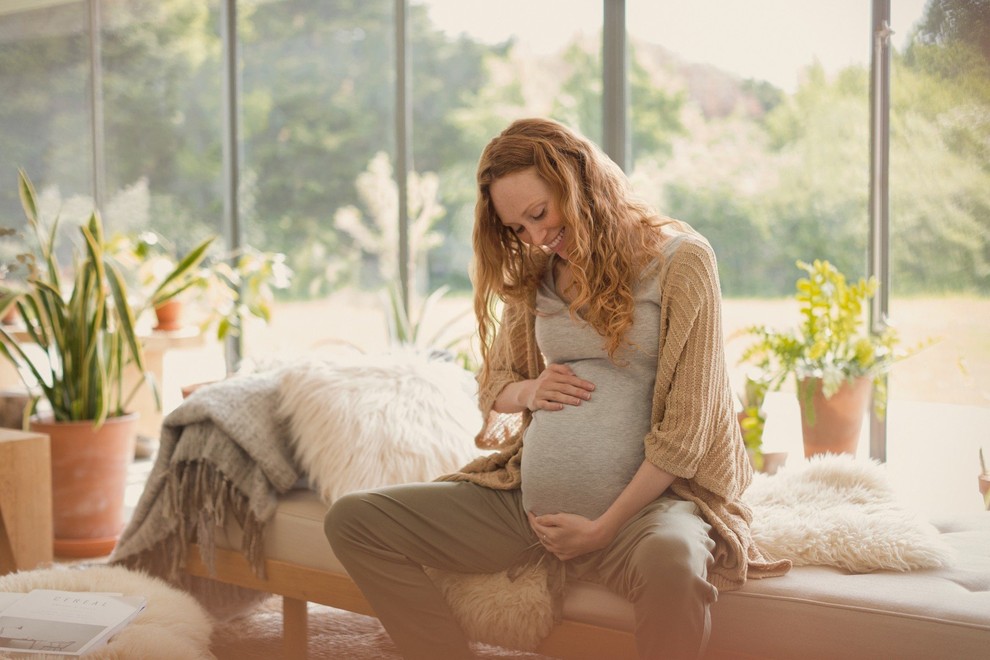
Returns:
(338,523)
(671,560)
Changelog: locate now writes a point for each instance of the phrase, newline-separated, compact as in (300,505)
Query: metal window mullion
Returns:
(96,102)
(879,243)
(231,227)
(615,85)
(403,133)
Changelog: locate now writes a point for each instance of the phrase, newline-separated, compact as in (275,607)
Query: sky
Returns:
(764,39)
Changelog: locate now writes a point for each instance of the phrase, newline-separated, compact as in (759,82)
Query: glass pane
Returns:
(475,69)
(940,235)
(45,125)
(317,107)
(161,76)
(750,121)
(763,149)
(45,129)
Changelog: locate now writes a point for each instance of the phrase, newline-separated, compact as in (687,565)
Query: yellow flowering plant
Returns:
(831,343)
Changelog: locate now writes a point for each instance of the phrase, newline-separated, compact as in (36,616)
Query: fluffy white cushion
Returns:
(840,511)
(172,625)
(363,421)
(493,609)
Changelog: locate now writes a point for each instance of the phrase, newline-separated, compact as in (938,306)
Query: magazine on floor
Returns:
(63,622)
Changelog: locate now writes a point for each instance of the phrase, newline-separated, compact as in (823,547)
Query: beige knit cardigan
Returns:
(694,434)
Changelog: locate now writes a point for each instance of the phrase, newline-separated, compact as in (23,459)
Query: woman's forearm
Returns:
(513,397)
(647,484)
(556,386)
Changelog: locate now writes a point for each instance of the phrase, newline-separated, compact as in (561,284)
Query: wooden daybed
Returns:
(813,612)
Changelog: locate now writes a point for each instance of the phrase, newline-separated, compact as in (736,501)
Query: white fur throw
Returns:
(837,510)
(172,625)
(363,421)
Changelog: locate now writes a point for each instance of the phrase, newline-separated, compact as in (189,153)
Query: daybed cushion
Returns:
(820,612)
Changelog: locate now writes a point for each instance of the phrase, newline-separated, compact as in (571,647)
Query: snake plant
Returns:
(78,320)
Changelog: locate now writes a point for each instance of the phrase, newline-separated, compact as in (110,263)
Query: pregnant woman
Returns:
(604,387)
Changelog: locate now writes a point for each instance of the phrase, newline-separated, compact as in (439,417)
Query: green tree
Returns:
(956,23)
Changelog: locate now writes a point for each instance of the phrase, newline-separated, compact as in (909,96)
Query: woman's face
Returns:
(525,204)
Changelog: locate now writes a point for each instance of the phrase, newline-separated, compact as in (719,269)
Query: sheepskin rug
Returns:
(172,625)
(363,421)
(836,510)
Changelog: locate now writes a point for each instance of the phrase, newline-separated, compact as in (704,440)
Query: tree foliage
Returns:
(774,178)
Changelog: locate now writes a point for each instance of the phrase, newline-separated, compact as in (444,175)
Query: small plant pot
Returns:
(169,316)
(984,483)
(837,420)
(773,461)
(11,317)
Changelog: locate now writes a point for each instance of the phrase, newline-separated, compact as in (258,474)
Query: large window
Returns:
(749,120)
(316,111)
(940,229)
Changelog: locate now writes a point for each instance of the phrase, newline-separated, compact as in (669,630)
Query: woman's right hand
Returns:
(556,387)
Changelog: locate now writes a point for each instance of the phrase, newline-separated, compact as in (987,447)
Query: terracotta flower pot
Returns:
(984,482)
(169,315)
(773,461)
(769,461)
(89,478)
(837,420)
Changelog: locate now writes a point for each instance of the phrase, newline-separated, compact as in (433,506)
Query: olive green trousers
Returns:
(384,537)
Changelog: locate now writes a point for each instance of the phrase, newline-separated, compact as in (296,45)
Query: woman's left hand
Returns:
(568,535)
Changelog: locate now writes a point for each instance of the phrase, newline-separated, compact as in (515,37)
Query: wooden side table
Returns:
(25,501)
(156,344)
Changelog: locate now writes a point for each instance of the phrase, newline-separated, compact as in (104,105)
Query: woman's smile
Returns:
(555,243)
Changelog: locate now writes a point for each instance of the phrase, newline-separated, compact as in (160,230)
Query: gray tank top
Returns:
(578,460)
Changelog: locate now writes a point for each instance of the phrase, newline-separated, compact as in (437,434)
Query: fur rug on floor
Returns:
(172,625)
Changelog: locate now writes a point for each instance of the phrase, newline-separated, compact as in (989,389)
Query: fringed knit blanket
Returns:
(223,452)
(232,448)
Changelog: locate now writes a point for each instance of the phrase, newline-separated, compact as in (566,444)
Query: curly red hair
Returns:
(611,234)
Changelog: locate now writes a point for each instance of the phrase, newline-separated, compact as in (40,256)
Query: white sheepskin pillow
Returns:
(493,609)
(840,511)
(172,625)
(363,421)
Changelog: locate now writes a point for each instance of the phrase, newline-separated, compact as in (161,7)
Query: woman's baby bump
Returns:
(578,460)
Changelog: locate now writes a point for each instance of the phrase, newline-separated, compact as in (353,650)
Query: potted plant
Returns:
(836,363)
(227,287)
(752,421)
(241,283)
(77,339)
(160,275)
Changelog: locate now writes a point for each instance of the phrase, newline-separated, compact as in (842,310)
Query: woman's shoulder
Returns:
(683,247)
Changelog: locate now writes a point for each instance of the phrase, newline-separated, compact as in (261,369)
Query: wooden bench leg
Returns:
(294,628)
